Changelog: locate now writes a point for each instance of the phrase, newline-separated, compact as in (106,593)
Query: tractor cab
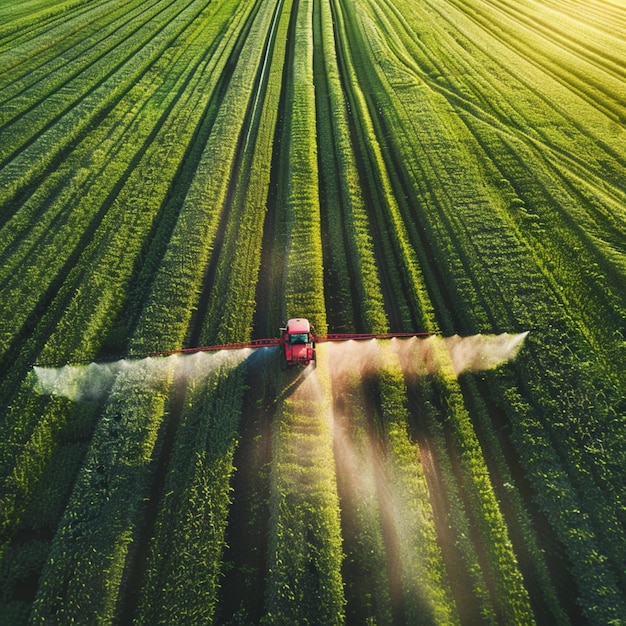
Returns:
(298,343)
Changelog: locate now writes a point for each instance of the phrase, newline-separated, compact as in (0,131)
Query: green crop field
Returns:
(187,173)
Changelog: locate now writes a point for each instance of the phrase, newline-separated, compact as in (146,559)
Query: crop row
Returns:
(416,242)
(232,295)
(465,228)
(182,571)
(207,478)
(61,132)
(304,553)
(35,65)
(27,21)
(348,233)
(25,474)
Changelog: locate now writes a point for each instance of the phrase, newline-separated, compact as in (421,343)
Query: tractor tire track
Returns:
(242,592)
(269,314)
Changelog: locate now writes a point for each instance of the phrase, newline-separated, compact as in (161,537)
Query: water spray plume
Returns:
(483,352)
(92,382)
(420,356)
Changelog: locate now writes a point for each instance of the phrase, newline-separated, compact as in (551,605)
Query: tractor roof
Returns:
(298,325)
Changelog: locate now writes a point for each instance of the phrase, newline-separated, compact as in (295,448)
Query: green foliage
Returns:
(417,165)
(304,281)
(425,586)
(496,208)
(305,547)
(186,553)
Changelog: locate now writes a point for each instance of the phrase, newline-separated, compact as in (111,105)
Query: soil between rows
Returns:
(242,591)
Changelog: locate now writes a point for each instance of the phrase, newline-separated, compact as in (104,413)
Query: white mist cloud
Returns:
(94,381)
(422,356)
(483,352)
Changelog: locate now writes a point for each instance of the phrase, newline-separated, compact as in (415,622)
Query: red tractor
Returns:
(297,342)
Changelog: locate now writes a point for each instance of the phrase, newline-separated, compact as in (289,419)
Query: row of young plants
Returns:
(575,216)
(83,572)
(539,306)
(350,249)
(232,296)
(189,555)
(426,592)
(81,313)
(209,476)
(514,599)
(304,281)
(304,582)
(364,568)
(50,421)
(17,29)
(381,475)
(533,118)
(532,557)
(406,274)
(565,48)
(33,17)
(181,575)
(593,305)
(511,601)
(573,207)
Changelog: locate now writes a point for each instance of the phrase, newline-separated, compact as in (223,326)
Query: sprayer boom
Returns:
(296,340)
(254,343)
(365,336)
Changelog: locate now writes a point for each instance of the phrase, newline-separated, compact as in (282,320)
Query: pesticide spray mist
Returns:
(92,382)
(422,356)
